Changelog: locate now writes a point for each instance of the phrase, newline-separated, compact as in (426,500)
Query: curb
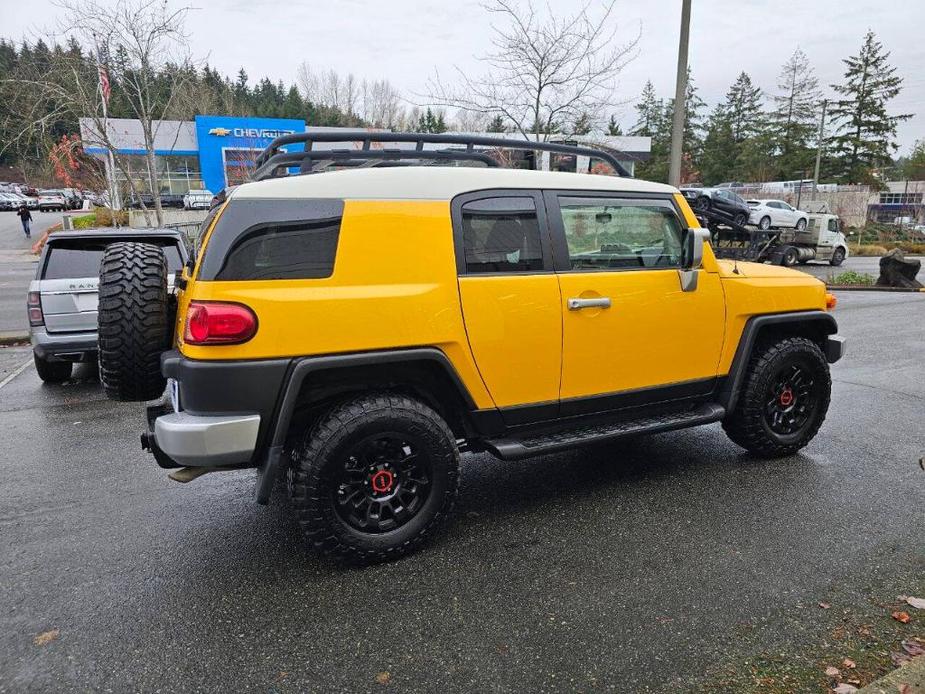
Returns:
(910,678)
(8,339)
(848,287)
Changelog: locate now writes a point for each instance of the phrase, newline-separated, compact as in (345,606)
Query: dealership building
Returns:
(213,152)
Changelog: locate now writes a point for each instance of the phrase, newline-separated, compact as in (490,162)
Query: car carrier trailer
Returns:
(822,239)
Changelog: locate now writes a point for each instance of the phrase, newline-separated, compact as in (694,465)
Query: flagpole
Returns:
(114,196)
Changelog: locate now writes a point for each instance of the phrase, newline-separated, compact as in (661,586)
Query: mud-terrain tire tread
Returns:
(134,324)
(310,497)
(52,371)
(743,425)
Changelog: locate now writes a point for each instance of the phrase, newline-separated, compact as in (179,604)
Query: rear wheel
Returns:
(765,223)
(134,321)
(838,257)
(801,224)
(52,371)
(374,478)
(784,399)
(790,257)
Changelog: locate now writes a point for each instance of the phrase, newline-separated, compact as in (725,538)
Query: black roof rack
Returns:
(274,161)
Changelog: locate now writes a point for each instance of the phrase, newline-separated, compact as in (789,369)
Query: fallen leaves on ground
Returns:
(824,605)
(844,688)
(384,677)
(917,603)
(913,648)
(832,672)
(46,637)
(899,659)
(848,663)
(901,616)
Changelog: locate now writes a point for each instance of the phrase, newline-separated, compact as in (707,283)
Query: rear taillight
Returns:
(216,323)
(34,306)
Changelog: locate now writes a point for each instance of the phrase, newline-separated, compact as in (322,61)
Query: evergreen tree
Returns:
(743,108)
(650,110)
(429,122)
(613,128)
(582,125)
(865,133)
(496,125)
(719,148)
(794,118)
(913,168)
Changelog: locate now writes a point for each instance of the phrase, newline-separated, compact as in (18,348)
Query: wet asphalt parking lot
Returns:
(646,565)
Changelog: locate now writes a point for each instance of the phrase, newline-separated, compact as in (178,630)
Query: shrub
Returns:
(104,217)
(850,277)
(868,250)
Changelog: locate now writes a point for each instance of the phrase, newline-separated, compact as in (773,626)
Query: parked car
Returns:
(62,301)
(776,214)
(20,199)
(721,201)
(8,202)
(197,199)
(74,198)
(354,331)
(167,200)
(52,201)
(730,184)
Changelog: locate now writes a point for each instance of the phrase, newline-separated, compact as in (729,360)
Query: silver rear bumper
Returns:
(196,440)
(67,346)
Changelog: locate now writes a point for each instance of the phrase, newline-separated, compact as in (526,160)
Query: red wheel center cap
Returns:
(786,398)
(382,481)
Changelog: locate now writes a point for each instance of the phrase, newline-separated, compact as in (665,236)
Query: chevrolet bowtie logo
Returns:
(221,132)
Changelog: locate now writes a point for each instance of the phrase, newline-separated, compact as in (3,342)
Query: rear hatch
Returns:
(69,282)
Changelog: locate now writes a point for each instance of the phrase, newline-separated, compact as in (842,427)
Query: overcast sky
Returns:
(405,41)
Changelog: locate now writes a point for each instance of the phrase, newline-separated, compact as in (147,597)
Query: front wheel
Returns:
(838,257)
(702,204)
(740,219)
(784,399)
(374,478)
(801,225)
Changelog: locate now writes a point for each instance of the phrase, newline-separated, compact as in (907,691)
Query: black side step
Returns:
(538,444)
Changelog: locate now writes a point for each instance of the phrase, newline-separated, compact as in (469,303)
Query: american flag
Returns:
(105,89)
(104,83)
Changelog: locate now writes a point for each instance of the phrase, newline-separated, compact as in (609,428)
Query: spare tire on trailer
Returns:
(134,318)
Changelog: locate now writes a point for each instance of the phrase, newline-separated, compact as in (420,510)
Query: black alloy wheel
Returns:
(702,203)
(384,481)
(792,402)
(741,219)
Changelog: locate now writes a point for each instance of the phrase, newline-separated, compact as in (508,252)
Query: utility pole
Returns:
(825,103)
(680,92)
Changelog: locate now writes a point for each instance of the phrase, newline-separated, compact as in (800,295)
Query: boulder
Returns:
(897,271)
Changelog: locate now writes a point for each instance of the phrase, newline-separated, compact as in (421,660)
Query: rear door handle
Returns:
(576,304)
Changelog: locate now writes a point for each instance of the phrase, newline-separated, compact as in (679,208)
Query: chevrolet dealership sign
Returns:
(252,133)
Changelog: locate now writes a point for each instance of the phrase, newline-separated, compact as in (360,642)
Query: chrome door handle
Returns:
(575,304)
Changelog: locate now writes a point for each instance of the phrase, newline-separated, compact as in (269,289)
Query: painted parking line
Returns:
(15,373)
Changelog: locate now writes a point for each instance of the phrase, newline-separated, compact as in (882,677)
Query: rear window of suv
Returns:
(81,259)
(273,240)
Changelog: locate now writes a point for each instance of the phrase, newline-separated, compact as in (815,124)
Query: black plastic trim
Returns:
(729,393)
(674,392)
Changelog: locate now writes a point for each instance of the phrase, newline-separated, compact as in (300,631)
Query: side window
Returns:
(501,235)
(614,234)
(833,225)
(299,250)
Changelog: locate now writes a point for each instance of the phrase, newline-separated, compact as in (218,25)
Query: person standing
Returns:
(26,218)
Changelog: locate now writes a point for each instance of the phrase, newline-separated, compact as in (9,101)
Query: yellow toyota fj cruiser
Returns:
(355,330)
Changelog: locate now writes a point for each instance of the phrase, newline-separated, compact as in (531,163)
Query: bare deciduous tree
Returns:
(544,71)
(145,53)
(329,88)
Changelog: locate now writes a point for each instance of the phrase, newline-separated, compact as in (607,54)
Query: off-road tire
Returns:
(746,424)
(838,257)
(52,371)
(134,321)
(317,460)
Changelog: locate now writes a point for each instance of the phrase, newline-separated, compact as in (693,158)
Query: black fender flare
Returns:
(819,321)
(302,369)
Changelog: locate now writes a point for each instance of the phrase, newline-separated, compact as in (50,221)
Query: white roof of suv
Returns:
(432,183)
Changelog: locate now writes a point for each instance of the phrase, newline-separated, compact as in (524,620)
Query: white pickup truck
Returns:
(63,297)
